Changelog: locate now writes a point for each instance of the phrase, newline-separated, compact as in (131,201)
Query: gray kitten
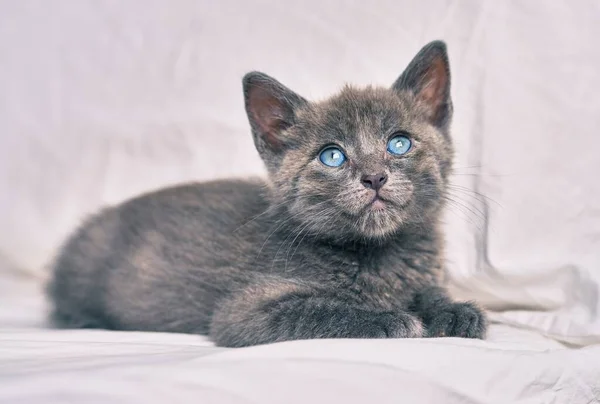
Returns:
(342,240)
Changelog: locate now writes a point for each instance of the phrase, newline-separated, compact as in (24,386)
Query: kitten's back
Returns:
(131,265)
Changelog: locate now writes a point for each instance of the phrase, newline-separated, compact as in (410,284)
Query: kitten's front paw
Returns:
(397,325)
(464,320)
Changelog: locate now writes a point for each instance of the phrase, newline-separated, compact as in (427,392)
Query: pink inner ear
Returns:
(268,115)
(433,91)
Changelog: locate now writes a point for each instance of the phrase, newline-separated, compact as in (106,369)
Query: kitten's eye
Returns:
(332,157)
(399,145)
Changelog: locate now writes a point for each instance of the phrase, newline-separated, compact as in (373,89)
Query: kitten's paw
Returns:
(464,320)
(397,325)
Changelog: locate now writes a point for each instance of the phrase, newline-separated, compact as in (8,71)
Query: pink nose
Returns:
(374,181)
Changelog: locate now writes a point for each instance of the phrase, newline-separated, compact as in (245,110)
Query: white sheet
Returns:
(83,366)
(102,366)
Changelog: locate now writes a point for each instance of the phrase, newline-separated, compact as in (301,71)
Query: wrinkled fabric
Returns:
(46,366)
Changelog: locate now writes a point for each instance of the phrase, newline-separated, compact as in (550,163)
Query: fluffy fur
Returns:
(310,252)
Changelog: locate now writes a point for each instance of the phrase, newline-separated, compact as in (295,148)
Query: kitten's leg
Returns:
(279,310)
(443,317)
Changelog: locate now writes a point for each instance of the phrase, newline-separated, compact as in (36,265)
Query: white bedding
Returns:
(94,366)
(101,100)
(100,366)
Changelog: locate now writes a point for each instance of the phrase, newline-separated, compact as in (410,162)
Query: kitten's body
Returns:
(298,256)
(164,276)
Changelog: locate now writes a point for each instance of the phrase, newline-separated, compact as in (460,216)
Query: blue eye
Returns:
(332,157)
(399,145)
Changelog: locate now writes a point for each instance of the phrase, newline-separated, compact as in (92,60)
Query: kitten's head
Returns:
(364,163)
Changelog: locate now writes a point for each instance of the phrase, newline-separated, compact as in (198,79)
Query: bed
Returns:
(100,101)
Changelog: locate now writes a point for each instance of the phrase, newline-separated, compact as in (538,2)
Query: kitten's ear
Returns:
(271,109)
(428,77)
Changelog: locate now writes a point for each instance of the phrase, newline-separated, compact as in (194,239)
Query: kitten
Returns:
(342,240)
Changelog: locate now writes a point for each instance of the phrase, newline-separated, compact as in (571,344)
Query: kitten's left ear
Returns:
(428,78)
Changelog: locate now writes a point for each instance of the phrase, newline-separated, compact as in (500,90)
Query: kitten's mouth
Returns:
(380,203)
(377,203)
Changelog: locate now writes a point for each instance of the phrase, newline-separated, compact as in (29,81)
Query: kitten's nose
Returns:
(374,181)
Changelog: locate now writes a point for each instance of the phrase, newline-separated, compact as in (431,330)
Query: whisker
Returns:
(476,211)
(467,190)
(312,225)
(475,220)
(292,244)
(281,224)
(271,208)
(297,233)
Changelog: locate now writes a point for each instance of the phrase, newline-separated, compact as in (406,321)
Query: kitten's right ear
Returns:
(271,109)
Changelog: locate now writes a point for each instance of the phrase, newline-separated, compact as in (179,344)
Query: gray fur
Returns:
(301,254)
